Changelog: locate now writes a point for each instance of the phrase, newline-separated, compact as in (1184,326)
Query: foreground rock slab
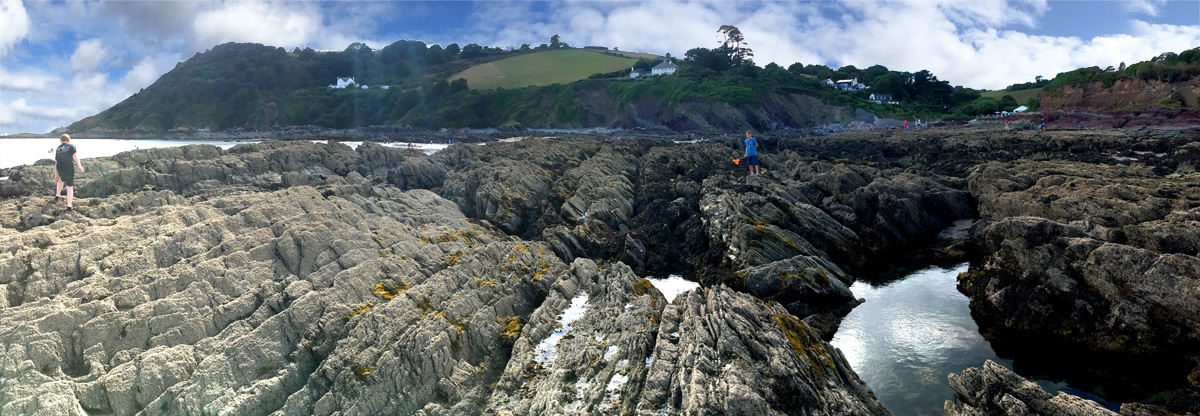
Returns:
(995,390)
(316,283)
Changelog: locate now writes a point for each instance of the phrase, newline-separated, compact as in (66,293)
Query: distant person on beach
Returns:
(906,124)
(1042,127)
(918,123)
(64,169)
(752,153)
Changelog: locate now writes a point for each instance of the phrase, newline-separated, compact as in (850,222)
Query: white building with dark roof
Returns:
(664,68)
(849,85)
(881,98)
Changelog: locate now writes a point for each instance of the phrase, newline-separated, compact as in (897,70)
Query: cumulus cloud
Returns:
(15,22)
(25,80)
(20,108)
(1147,7)
(19,116)
(980,44)
(88,55)
(277,24)
(142,75)
(128,45)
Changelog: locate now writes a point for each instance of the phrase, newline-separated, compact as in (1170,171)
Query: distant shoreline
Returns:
(1154,119)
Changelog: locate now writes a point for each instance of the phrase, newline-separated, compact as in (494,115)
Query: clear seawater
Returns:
(914,331)
(16,152)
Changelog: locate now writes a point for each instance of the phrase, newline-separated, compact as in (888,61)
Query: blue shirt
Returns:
(751,147)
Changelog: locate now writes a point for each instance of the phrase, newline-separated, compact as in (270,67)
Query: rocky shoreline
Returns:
(303,278)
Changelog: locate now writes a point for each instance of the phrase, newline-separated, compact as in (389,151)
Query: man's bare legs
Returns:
(70,194)
(58,185)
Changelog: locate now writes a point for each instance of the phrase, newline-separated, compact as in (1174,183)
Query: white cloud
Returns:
(25,81)
(1147,7)
(142,75)
(88,55)
(15,22)
(980,44)
(268,23)
(10,113)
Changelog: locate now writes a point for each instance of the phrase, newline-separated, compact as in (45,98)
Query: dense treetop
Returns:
(251,85)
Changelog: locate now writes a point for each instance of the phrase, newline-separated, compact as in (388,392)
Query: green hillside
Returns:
(635,55)
(1021,96)
(542,68)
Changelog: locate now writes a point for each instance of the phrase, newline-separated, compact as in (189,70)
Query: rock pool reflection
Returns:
(909,335)
(913,332)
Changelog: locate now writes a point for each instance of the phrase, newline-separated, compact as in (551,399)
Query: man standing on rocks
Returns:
(752,153)
(64,172)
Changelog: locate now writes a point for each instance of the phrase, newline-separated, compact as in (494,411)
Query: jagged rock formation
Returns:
(788,236)
(995,390)
(303,278)
(1102,258)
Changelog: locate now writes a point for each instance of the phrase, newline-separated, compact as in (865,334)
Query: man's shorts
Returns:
(67,176)
(752,160)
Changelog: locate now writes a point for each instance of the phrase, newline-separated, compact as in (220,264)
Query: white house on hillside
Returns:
(342,83)
(665,68)
(881,98)
(849,85)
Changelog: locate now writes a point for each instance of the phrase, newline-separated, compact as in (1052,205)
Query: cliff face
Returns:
(1123,94)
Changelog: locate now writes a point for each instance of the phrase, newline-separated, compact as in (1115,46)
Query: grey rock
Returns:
(298,283)
(995,390)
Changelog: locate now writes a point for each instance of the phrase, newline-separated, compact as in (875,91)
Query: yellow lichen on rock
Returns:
(390,291)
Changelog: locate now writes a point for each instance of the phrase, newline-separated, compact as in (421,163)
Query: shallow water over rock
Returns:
(913,332)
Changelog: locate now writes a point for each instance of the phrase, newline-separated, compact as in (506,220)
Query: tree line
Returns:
(250,85)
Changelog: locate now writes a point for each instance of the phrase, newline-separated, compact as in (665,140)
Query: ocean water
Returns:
(672,286)
(16,152)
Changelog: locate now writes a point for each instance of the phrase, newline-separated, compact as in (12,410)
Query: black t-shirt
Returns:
(64,157)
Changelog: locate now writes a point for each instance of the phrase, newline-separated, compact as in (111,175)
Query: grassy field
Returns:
(1022,96)
(542,68)
(635,55)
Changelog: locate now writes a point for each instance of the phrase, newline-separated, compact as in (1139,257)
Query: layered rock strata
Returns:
(1097,258)
(995,390)
(304,279)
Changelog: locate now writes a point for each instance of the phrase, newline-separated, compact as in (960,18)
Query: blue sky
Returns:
(61,61)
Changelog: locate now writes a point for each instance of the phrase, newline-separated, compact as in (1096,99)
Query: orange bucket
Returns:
(737,161)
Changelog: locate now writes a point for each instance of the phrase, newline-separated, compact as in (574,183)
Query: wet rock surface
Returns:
(995,390)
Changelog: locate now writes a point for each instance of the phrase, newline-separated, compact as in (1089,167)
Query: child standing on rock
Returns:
(64,171)
(752,153)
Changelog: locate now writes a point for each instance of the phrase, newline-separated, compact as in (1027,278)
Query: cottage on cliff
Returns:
(849,85)
(881,99)
(342,83)
(663,68)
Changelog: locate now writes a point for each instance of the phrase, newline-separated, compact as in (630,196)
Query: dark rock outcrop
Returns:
(1101,259)
(686,208)
(995,390)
